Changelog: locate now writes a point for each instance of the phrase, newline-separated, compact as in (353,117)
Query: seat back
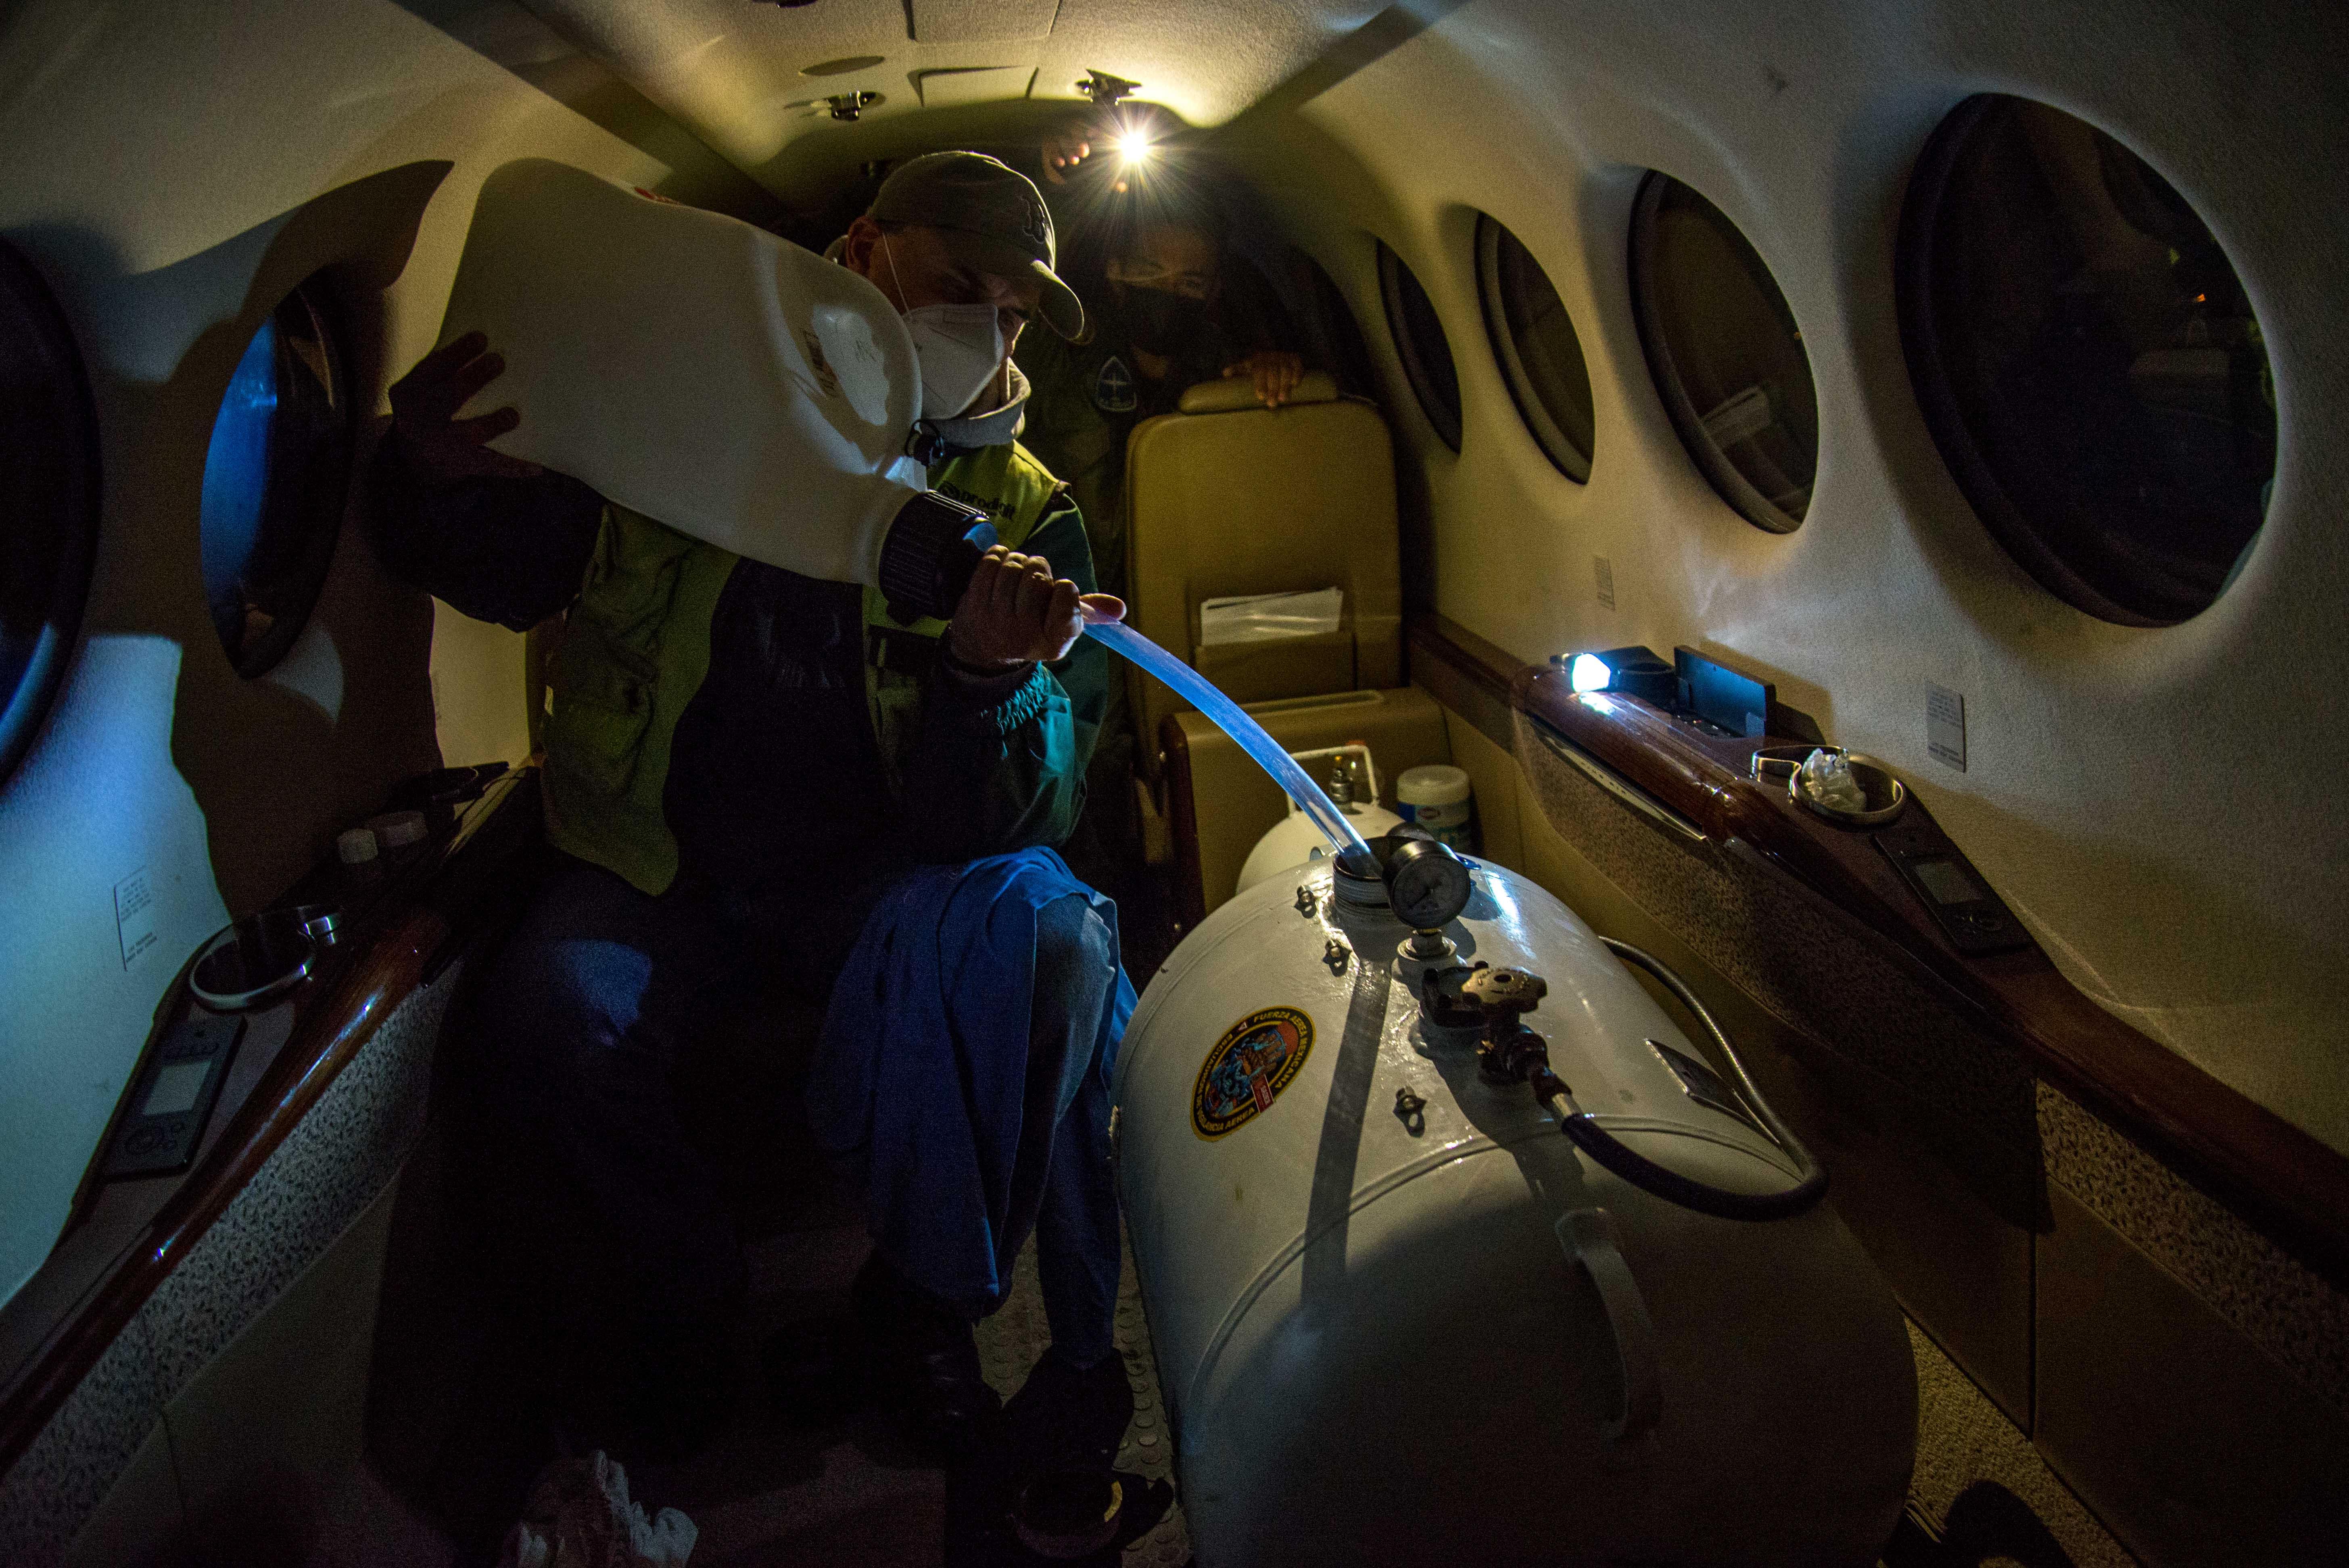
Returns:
(1229,498)
(1220,802)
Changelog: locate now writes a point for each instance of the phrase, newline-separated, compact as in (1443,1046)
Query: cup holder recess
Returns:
(259,958)
(1886,796)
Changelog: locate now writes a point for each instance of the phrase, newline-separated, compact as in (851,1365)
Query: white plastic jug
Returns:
(709,374)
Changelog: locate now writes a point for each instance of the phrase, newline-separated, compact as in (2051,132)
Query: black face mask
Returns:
(1162,322)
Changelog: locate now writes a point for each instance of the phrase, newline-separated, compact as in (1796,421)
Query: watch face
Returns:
(1428,888)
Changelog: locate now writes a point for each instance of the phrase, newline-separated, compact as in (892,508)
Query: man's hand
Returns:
(1015,613)
(1276,372)
(1064,149)
(440,446)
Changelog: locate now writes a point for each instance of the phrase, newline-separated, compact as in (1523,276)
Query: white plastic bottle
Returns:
(1437,796)
(709,374)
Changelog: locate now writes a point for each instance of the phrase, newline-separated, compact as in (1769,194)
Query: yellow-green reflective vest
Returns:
(635,646)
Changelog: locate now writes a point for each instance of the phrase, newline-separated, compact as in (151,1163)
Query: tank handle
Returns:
(1588,1237)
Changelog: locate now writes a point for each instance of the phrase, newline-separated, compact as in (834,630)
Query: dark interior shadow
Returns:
(1331,1203)
(1986,1524)
(275,770)
(496,1342)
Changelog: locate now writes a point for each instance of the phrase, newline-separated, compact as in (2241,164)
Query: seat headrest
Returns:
(1233,393)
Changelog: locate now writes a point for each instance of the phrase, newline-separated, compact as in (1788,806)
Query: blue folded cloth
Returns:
(921,1077)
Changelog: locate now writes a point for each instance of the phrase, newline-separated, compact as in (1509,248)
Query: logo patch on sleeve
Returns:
(1256,1058)
(1113,390)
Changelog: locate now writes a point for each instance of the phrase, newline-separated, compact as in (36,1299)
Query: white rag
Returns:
(580,1516)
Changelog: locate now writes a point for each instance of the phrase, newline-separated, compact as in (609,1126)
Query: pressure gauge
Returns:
(1428,886)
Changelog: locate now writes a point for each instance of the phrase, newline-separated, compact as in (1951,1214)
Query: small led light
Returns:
(1135,147)
(1589,673)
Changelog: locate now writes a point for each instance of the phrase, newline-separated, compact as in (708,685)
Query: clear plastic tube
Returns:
(1234,721)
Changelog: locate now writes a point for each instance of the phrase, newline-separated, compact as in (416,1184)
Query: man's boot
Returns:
(925,1362)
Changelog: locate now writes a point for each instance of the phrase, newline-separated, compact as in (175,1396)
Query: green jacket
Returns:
(668,632)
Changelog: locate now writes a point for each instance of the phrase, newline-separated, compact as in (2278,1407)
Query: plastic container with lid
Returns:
(714,378)
(1437,796)
(358,852)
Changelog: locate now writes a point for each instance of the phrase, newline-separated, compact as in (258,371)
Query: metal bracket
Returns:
(1105,90)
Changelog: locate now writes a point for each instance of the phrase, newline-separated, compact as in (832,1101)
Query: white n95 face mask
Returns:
(959,348)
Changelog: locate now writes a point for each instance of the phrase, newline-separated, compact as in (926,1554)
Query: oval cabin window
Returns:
(2088,362)
(48,493)
(1727,357)
(275,480)
(1540,352)
(1420,343)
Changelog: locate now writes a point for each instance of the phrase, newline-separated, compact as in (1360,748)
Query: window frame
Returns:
(1557,445)
(49,477)
(1728,480)
(1917,305)
(319,487)
(1445,419)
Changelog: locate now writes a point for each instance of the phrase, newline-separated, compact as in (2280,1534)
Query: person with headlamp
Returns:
(1167,311)
(749,772)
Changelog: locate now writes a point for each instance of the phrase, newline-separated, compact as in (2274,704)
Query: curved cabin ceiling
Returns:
(753,79)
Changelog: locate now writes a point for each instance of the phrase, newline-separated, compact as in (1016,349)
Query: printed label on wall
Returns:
(1256,1058)
(134,915)
(1945,725)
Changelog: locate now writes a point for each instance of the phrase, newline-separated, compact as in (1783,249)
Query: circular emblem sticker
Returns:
(1250,1067)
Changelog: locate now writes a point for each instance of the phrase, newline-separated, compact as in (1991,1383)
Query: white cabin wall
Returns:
(157,159)
(2162,807)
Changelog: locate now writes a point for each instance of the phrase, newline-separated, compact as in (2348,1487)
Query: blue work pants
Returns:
(601,990)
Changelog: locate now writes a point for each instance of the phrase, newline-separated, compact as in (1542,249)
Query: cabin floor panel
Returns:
(1985,1489)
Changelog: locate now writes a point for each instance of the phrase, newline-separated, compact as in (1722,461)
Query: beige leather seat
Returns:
(1228,497)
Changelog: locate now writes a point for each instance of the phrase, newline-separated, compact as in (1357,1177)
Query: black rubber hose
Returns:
(1613,1154)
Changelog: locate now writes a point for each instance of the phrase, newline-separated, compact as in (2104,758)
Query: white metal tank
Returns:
(1400,1319)
(1296,838)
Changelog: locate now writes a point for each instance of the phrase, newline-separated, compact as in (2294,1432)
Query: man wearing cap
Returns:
(750,773)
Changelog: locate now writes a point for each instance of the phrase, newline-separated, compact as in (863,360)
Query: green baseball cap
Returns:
(993,217)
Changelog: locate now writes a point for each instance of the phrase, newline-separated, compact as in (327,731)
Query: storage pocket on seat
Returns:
(1289,666)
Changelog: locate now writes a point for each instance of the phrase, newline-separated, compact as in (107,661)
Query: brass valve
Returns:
(1511,1053)
(1505,995)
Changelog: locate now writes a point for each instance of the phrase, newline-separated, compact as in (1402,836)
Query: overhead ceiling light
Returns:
(1135,147)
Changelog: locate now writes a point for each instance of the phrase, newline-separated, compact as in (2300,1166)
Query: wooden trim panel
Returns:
(2279,1178)
(1466,673)
(394,948)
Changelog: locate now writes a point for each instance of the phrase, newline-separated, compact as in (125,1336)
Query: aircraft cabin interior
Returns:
(993,781)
